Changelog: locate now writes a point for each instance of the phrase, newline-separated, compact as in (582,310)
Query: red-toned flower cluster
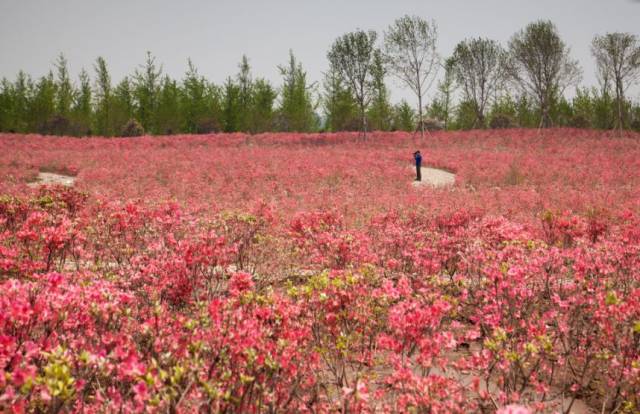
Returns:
(300,273)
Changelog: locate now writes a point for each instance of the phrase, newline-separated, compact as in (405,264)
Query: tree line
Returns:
(482,84)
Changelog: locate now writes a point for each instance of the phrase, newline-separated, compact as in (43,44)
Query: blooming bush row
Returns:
(152,306)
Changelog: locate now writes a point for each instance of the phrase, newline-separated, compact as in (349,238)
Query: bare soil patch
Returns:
(435,177)
(49,178)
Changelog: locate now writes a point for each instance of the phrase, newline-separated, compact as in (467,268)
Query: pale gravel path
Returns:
(46,178)
(434,177)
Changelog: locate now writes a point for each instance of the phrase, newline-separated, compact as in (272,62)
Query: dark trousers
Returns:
(418,173)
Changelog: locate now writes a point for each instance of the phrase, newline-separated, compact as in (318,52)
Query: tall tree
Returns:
(82,110)
(195,108)
(64,88)
(103,99)
(479,69)
(231,106)
(168,110)
(5,105)
(618,59)
(380,113)
(22,93)
(296,111)
(245,94)
(146,88)
(352,57)
(43,104)
(540,64)
(442,107)
(339,104)
(264,96)
(410,49)
(123,105)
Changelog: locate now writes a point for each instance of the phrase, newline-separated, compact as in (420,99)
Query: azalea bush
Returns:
(301,273)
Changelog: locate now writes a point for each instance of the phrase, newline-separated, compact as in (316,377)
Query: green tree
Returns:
(442,106)
(404,118)
(245,95)
(168,110)
(200,103)
(479,69)
(82,111)
(410,49)
(540,64)
(297,109)
(64,88)
(351,56)
(146,90)
(262,113)
(6,105)
(231,106)
(43,105)
(103,101)
(339,105)
(618,60)
(380,112)
(22,92)
(123,105)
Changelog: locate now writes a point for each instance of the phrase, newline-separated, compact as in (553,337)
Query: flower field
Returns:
(304,273)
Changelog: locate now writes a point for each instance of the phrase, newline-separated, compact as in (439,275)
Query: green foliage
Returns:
(262,113)
(539,62)
(81,113)
(351,57)
(231,106)
(339,104)
(466,115)
(168,111)
(354,94)
(404,117)
(380,112)
(103,102)
(478,65)
(146,91)
(297,109)
(132,128)
(64,88)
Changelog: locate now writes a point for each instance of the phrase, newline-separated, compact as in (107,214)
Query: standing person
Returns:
(418,157)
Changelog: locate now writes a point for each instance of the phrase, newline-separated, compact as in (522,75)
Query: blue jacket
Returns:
(418,158)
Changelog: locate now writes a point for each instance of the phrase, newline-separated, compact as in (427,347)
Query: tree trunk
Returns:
(620,96)
(420,116)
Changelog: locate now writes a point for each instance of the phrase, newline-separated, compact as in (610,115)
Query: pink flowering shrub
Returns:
(309,283)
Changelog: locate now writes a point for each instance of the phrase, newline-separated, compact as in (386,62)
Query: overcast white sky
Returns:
(215,34)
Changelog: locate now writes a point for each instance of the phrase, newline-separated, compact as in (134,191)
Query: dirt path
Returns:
(434,177)
(47,178)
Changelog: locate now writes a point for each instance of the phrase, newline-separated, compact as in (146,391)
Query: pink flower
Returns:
(514,409)
(239,283)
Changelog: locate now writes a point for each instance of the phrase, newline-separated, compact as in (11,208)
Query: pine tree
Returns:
(245,94)
(64,88)
(146,88)
(339,104)
(168,111)
(82,111)
(43,105)
(296,111)
(380,113)
(123,105)
(197,103)
(231,106)
(262,116)
(103,99)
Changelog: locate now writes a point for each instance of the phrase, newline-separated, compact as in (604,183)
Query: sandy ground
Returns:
(46,178)
(434,177)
